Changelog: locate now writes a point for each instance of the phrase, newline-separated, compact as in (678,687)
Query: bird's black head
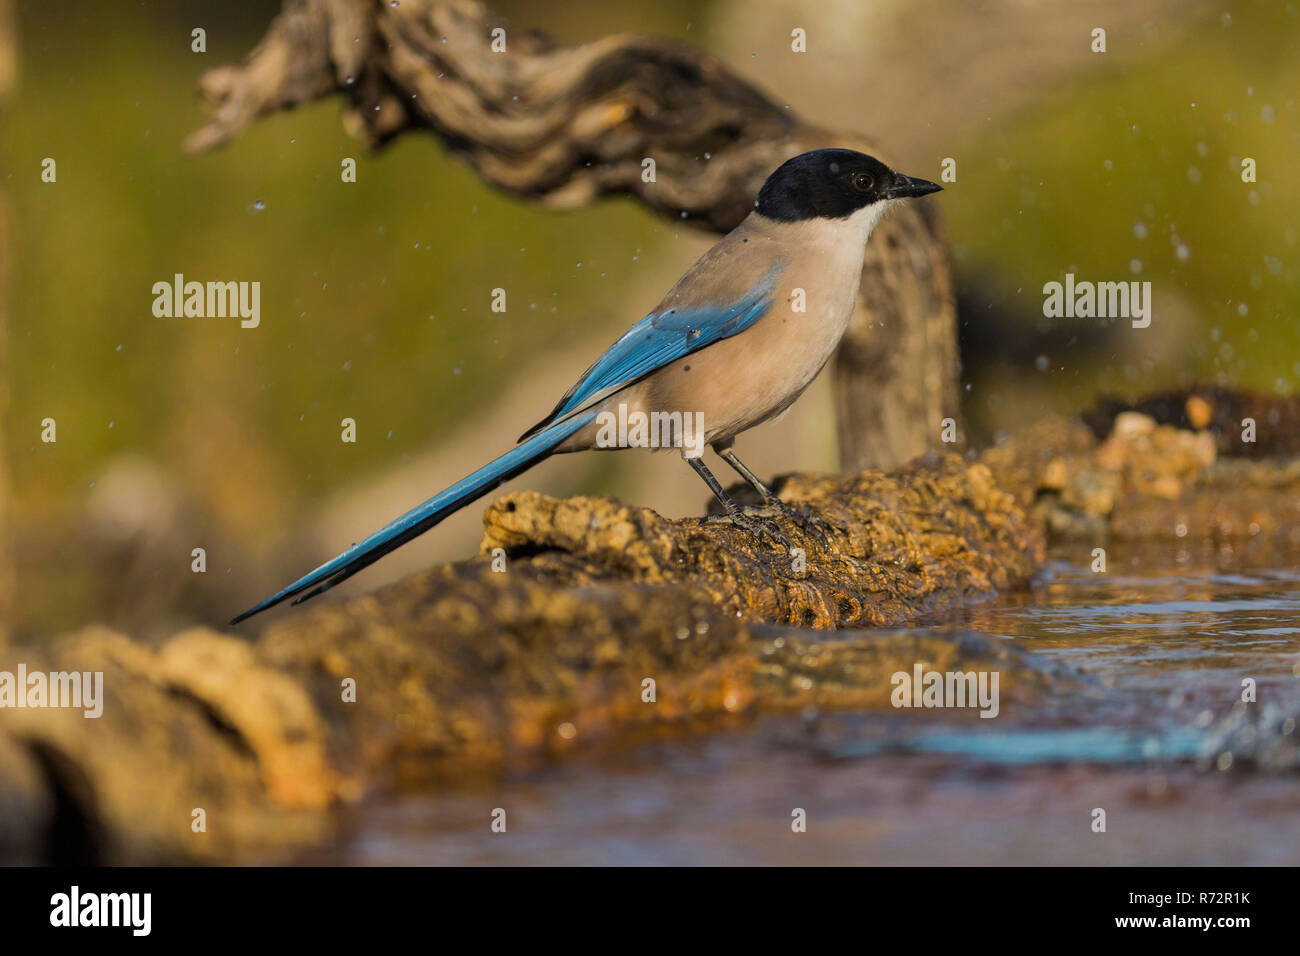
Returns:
(833,184)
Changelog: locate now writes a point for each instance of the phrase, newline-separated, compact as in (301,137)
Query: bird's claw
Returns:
(810,524)
(761,521)
(805,519)
(758,519)
(758,522)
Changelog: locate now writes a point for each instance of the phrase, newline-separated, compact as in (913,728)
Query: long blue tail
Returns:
(420,519)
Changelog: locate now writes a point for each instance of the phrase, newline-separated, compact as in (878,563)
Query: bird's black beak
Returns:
(905,186)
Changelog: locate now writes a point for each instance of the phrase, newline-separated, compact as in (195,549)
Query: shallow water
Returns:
(1161,644)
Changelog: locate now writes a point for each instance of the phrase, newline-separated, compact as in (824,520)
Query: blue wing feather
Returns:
(660,339)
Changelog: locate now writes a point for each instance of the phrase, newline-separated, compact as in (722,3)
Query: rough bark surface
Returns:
(568,125)
(466,670)
(1227,414)
(1150,482)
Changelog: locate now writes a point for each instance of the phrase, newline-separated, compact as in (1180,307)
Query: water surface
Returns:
(1162,643)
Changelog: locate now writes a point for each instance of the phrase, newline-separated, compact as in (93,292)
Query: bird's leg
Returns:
(805,519)
(729,456)
(737,515)
(725,499)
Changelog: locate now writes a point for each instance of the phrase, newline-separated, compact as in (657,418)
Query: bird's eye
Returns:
(862,182)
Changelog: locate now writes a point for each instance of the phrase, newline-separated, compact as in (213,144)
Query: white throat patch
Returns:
(865,219)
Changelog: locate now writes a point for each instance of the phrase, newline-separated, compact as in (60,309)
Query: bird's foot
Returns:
(806,519)
(758,521)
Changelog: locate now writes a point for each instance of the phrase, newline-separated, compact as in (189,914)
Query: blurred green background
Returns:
(183,433)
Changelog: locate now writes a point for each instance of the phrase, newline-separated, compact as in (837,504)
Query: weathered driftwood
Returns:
(567,125)
(464,669)
(1225,413)
(1152,482)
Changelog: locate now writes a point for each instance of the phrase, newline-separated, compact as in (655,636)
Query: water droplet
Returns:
(259,205)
